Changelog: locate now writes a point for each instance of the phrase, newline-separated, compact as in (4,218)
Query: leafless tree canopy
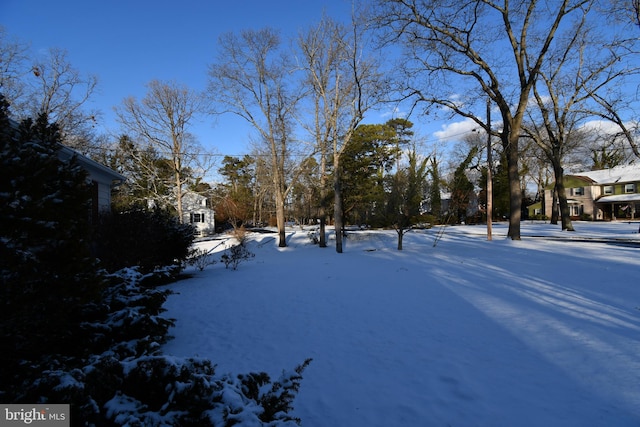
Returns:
(345,83)
(162,119)
(48,84)
(458,53)
(255,79)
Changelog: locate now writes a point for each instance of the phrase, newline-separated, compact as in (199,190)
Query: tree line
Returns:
(547,68)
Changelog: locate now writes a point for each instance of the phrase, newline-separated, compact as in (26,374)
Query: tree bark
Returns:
(554,206)
(337,207)
(515,193)
(322,212)
(565,214)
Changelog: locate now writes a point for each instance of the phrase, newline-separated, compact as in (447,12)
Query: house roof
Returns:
(95,169)
(619,174)
(620,198)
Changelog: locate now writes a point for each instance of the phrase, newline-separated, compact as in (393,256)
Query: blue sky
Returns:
(129,43)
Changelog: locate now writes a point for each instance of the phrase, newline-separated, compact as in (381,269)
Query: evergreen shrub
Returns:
(146,238)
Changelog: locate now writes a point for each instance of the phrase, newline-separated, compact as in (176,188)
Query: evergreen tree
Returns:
(235,198)
(435,198)
(370,154)
(501,197)
(405,197)
(149,176)
(47,272)
(462,188)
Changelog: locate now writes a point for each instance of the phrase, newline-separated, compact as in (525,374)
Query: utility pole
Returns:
(489,174)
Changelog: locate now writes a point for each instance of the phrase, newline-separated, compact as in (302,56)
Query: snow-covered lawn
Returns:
(470,332)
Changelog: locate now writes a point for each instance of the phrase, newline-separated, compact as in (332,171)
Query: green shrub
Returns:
(147,238)
(585,217)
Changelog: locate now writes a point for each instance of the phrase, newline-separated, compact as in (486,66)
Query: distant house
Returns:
(448,208)
(103,179)
(607,194)
(197,212)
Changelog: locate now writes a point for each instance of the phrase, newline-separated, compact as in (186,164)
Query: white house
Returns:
(196,211)
(103,179)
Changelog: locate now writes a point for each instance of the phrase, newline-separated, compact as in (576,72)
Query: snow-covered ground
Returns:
(469,332)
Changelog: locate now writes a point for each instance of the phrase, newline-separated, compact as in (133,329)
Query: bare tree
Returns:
(50,85)
(624,11)
(345,84)
(458,51)
(252,78)
(62,92)
(617,104)
(13,57)
(162,119)
(577,70)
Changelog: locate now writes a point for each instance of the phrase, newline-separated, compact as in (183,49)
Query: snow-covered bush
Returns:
(163,390)
(127,381)
(128,319)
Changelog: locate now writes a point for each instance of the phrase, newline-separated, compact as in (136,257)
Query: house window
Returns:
(608,189)
(576,210)
(578,191)
(629,188)
(196,217)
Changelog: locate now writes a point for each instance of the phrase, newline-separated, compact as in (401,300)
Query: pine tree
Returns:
(462,188)
(434,189)
(47,272)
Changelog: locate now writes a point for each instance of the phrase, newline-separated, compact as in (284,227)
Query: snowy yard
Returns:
(470,332)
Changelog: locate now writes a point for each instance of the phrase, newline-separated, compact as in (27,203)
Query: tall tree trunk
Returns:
(178,184)
(515,193)
(280,218)
(554,205)
(337,206)
(323,234)
(322,212)
(565,214)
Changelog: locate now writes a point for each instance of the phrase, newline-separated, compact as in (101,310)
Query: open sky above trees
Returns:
(588,46)
(128,44)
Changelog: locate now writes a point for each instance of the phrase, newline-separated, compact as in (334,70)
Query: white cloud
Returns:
(394,113)
(603,127)
(456,131)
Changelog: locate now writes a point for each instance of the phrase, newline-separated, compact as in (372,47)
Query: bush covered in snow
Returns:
(127,381)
